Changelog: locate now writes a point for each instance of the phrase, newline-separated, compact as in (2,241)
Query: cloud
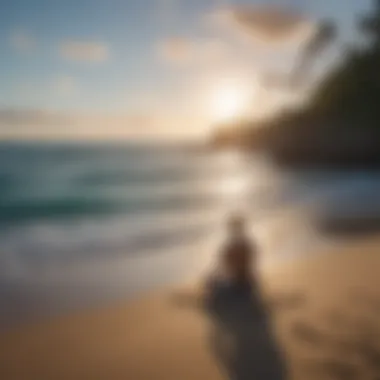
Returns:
(15,117)
(84,51)
(22,41)
(175,50)
(41,124)
(182,51)
(268,25)
(23,123)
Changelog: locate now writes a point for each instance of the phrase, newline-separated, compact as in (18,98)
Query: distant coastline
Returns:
(340,126)
(317,143)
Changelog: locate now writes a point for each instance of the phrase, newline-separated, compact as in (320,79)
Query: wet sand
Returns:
(318,319)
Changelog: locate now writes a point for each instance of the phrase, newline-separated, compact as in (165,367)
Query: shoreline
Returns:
(29,309)
(310,301)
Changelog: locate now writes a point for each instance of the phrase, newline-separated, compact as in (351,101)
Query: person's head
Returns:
(236,224)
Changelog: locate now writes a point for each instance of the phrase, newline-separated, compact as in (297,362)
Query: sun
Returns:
(228,102)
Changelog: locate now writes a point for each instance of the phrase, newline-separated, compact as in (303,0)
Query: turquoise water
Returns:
(84,223)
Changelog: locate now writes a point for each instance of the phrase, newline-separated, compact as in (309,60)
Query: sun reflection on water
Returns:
(234,185)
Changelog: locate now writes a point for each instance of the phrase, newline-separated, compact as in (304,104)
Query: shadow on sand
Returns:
(241,337)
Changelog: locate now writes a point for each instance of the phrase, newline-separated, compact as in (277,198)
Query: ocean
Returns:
(82,224)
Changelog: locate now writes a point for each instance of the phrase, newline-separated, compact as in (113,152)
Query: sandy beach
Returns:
(322,312)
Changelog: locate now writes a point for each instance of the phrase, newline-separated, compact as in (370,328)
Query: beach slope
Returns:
(324,313)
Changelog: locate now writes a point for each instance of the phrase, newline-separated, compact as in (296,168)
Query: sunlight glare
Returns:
(229,101)
(234,186)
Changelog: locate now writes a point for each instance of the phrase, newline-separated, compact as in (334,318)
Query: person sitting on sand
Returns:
(238,253)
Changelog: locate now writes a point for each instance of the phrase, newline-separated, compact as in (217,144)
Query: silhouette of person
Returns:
(238,254)
(241,337)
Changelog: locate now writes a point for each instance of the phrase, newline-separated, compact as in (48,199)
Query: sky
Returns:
(150,68)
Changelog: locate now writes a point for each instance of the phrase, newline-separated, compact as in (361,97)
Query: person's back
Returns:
(238,253)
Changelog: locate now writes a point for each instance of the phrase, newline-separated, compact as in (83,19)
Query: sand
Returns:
(323,314)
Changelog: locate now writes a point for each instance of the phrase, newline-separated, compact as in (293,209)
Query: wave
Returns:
(57,244)
(21,211)
(53,182)
(24,211)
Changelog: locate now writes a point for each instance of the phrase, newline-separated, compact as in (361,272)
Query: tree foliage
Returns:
(342,120)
